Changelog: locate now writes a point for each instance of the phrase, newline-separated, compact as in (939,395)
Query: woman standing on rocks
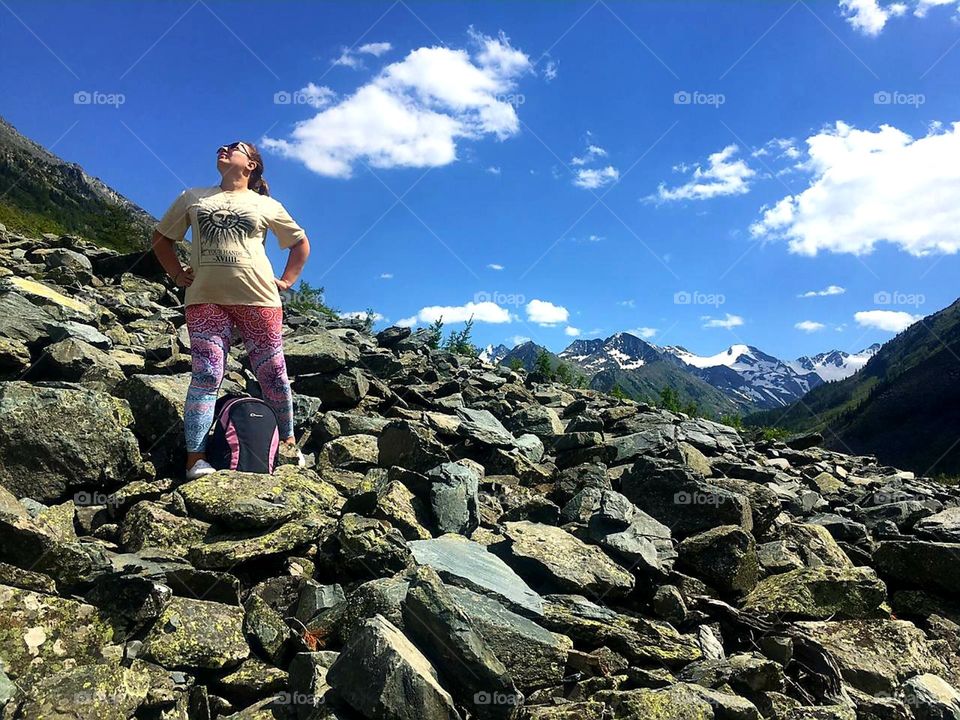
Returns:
(230,281)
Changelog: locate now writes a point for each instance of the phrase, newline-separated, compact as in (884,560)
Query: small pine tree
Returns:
(307,299)
(618,392)
(669,399)
(369,320)
(542,365)
(459,341)
(515,363)
(563,374)
(435,331)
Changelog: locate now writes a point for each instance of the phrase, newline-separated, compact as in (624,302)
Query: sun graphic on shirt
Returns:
(224,226)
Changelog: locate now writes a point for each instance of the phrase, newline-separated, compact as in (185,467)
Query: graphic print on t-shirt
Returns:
(223,230)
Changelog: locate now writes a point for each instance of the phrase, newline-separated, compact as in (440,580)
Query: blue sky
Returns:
(779,174)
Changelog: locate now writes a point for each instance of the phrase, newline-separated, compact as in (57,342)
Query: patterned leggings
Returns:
(210,326)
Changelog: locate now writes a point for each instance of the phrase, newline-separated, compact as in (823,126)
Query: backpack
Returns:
(246,435)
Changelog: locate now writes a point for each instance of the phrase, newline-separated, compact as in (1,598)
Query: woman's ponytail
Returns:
(257,183)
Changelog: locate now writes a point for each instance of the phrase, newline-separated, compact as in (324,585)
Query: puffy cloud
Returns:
(546,313)
(550,70)
(571,331)
(829,290)
(495,266)
(729,322)
(486,312)
(412,113)
(869,16)
(643,332)
(809,326)
(591,178)
(386,276)
(722,176)
(349,57)
(867,187)
(889,320)
(593,152)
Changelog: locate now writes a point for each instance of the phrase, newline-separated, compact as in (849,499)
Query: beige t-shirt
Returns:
(228,250)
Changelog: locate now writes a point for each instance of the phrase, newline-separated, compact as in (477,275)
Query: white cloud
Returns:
(924,5)
(495,266)
(517,340)
(889,320)
(349,56)
(590,178)
(829,290)
(386,276)
(869,16)
(550,70)
(361,314)
(728,322)
(407,322)
(412,113)
(485,312)
(869,187)
(809,326)
(546,313)
(643,332)
(494,169)
(571,331)
(722,176)
(593,152)
(628,303)
(316,96)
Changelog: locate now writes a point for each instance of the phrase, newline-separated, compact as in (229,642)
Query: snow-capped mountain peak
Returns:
(835,364)
(622,351)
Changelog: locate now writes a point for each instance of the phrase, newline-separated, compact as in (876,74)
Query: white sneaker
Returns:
(301,460)
(199,469)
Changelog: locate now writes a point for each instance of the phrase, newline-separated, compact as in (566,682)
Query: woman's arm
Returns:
(295,262)
(163,249)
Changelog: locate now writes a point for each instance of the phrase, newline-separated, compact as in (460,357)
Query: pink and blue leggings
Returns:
(210,327)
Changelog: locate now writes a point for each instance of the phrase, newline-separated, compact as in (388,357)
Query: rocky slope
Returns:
(463,542)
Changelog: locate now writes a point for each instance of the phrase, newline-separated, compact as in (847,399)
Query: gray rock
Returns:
(470,565)
(483,427)
(469,667)
(944,526)
(552,558)
(197,634)
(453,497)
(819,593)
(725,558)
(411,446)
(318,352)
(929,565)
(381,674)
(931,698)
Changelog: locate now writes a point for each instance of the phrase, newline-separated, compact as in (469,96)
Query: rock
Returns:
(227,550)
(266,630)
(41,635)
(382,675)
(725,558)
(54,440)
(932,565)
(536,420)
(639,640)
(682,502)
(243,501)
(404,510)
(628,533)
(676,702)
(410,446)
(482,427)
(318,352)
(371,548)
(554,559)
(149,525)
(102,691)
(470,565)
(453,497)
(931,698)
(943,526)
(359,452)
(197,634)
(344,389)
(819,593)
(747,673)
(814,545)
(443,631)
(875,656)
(533,656)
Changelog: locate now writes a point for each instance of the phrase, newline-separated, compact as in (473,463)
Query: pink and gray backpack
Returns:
(246,435)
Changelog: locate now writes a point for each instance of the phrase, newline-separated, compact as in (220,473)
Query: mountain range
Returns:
(740,379)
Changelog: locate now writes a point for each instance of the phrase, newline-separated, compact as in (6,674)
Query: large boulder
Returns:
(820,593)
(725,557)
(320,351)
(929,565)
(57,438)
(453,496)
(553,559)
(381,674)
(103,691)
(197,635)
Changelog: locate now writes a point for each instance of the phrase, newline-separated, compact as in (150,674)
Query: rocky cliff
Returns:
(463,542)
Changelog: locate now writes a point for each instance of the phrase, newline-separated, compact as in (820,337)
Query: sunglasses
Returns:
(234,146)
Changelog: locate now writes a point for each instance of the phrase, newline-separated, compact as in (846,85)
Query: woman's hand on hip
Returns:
(184,278)
(282,284)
